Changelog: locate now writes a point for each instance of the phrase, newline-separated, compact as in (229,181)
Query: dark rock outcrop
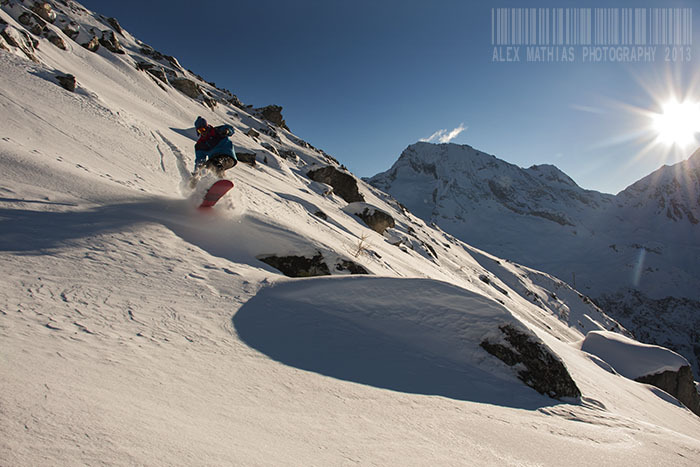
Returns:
(110,42)
(187,87)
(252,133)
(234,100)
(155,55)
(679,384)
(301,266)
(45,11)
(288,154)
(55,39)
(71,30)
(36,24)
(544,372)
(273,113)
(32,22)
(351,267)
(376,220)
(20,39)
(246,158)
(298,266)
(93,45)
(67,82)
(115,25)
(344,185)
(154,70)
(270,148)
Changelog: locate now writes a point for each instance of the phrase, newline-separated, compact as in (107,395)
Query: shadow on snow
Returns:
(309,335)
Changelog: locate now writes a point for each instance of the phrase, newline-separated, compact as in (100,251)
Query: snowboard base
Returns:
(215,193)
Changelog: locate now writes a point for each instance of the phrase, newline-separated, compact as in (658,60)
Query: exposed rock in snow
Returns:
(375,218)
(246,158)
(187,87)
(68,82)
(45,11)
(110,42)
(273,113)
(267,146)
(92,45)
(542,371)
(21,40)
(157,71)
(344,185)
(32,22)
(679,384)
(115,24)
(298,266)
(645,363)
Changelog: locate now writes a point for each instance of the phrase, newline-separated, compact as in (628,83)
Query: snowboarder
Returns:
(213,150)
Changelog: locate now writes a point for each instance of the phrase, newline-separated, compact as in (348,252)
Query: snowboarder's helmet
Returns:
(200,123)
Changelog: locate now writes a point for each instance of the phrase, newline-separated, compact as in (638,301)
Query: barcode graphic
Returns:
(592,26)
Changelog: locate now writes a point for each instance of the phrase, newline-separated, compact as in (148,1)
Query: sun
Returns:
(678,123)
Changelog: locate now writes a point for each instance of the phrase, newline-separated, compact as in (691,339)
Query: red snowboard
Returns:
(215,193)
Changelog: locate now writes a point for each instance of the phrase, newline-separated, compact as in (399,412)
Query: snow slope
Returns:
(135,329)
(640,246)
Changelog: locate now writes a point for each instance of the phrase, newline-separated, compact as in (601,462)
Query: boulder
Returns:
(4,45)
(45,11)
(235,101)
(679,384)
(93,45)
(32,22)
(187,87)
(375,218)
(298,266)
(67,82)
(345,265)
(71,30)
(110,42)
(151,52)
(344,185)
(539,368)
(246,158)
(271,133)
(55,39)
(270,148)
(252,133)
(20,39)
(273,113)
(288,154)
(156,71)
(115,25)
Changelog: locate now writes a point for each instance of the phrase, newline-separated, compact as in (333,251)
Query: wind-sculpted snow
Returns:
(410,335)
(629,357)
(136,330)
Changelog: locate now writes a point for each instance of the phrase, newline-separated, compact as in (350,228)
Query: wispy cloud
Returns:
(445,136)
(587,108)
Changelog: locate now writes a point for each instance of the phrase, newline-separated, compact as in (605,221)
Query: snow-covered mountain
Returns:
(641,243)
(136,329)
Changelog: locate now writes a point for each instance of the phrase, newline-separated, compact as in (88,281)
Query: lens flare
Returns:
(678,123)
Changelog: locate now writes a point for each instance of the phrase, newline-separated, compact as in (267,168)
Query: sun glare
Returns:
(678,123)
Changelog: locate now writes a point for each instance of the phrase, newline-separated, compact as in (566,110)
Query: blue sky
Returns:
(365,79)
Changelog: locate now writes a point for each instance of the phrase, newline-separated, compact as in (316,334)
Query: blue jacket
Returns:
(214,142)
